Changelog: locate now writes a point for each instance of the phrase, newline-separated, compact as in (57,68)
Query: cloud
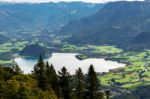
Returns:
(40,1)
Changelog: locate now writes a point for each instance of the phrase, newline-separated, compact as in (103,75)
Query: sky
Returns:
(40,1)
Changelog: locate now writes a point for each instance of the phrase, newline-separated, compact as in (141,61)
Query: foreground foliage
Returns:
(45,83)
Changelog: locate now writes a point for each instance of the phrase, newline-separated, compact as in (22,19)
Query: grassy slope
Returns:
(133,75)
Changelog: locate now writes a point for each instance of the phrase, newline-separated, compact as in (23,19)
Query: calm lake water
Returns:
(70,62)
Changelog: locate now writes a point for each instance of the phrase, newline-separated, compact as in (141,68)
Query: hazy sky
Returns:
(39,1)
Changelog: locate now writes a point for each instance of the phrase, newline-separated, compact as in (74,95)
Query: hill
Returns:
(117,23)
(34,50)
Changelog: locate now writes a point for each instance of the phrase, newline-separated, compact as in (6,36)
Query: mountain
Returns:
(51,16)
(3,39)
(117,23)
(142,38)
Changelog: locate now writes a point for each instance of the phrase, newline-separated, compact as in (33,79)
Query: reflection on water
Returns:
(70,62)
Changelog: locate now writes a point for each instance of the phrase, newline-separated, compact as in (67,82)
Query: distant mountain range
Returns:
(125,24)
(51,16)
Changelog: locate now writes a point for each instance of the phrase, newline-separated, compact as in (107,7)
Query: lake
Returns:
(70,62)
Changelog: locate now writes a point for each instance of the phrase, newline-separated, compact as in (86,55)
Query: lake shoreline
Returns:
(70,61)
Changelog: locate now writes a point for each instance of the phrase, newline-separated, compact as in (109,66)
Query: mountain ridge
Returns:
(115,22)
(44,15)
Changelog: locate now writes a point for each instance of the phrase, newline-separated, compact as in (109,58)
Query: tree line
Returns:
(45,83)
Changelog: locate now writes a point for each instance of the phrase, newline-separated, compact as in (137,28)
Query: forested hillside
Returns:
(117,23)
(51,16)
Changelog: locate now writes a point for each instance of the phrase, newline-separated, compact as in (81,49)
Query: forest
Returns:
(45,83)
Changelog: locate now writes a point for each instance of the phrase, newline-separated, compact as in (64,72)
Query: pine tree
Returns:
(92,82)
(48,74)
(65,81)
(79,83)
(40,73)
(108,94)
(52,78)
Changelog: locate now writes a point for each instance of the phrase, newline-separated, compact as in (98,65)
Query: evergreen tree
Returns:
(52,78)
(79,83)
(65,81)
(108,94)
(48,75)
(92,83)
(40,73)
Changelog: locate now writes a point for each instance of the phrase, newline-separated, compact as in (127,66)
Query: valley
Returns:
(114,37)
(129,77)
(137,61)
